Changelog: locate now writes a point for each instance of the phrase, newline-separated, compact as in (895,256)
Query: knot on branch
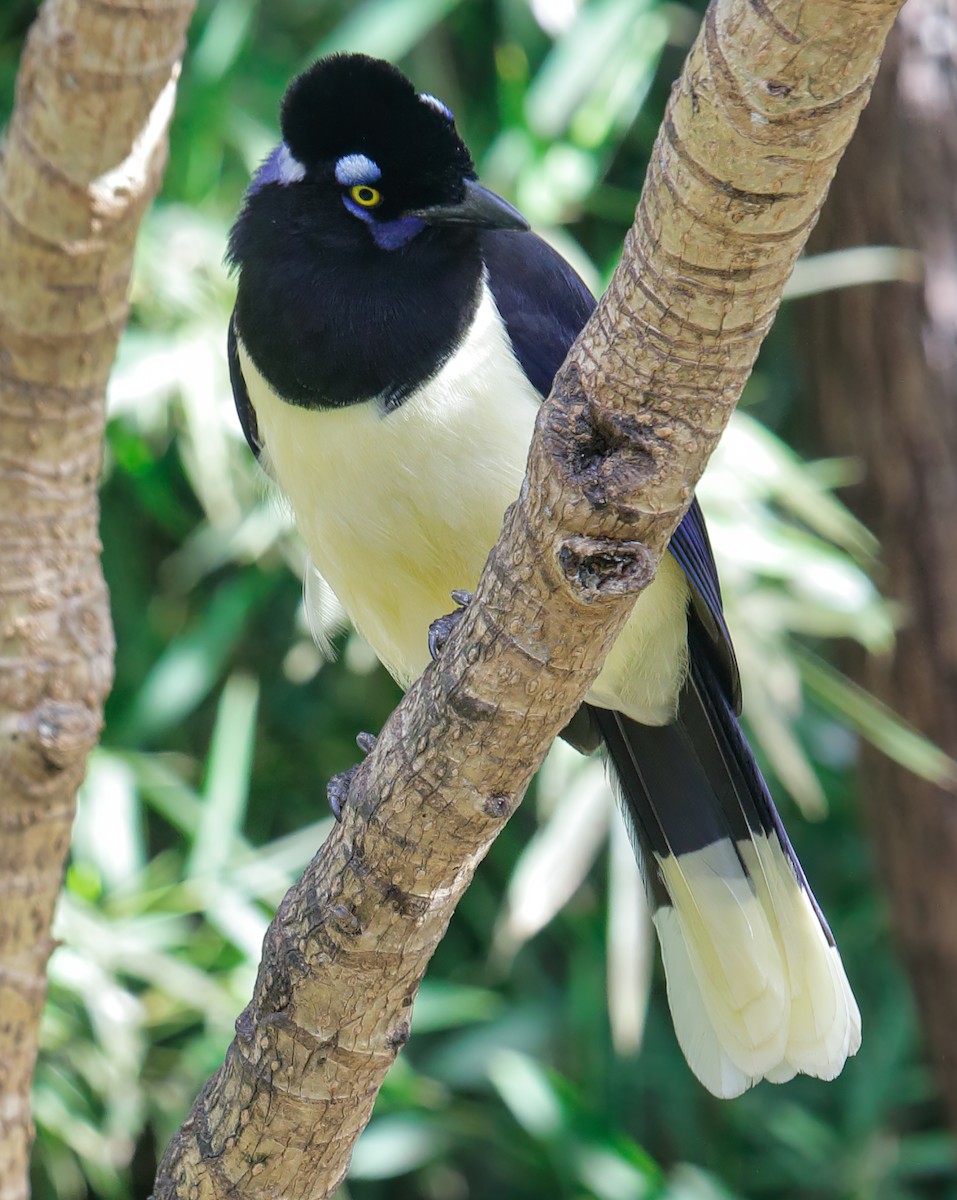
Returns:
(600,567)
(498,806)
(775,87)
(610,454)
(399,1036)
(613,457)
(64,733)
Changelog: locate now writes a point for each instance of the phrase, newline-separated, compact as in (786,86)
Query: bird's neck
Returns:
(331,319)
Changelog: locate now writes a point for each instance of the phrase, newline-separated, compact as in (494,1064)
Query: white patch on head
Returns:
(288,168)
(436,103)
(354,169)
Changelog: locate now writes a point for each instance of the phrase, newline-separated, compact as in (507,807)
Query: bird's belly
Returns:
(646,667)
(399,508)
(395,529)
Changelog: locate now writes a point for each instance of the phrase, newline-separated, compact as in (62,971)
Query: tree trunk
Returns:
(884,368)
(83,157)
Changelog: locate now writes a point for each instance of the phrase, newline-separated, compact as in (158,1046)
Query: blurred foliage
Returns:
(524,1076)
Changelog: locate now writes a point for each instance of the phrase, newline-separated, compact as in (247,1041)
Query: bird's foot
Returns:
(441,629)
(337,789)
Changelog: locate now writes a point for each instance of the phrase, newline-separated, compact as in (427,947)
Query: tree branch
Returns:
(83,157)
(768,99)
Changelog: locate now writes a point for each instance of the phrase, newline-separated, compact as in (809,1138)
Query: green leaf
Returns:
(188,670)
(852,267)
(384,28)
(395,1145)
(876,722)
(227,778)
(444,1005)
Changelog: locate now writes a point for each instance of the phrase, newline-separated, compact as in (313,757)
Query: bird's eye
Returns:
(368,197)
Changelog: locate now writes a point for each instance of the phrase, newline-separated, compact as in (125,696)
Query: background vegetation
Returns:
(542,1061)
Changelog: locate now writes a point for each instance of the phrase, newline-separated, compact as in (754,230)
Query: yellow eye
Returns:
(368,197)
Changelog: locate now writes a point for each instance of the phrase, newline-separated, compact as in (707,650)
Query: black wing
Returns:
(544,305)
(542,300)
(691,547)
(247,414)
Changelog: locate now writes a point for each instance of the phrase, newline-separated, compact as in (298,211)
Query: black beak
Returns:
(480,207)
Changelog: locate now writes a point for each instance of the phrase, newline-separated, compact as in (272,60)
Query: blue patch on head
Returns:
(436,103)
(355,169)
(387,235)
(390,235)
(280,167)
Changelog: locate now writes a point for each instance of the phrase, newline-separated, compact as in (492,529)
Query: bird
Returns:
(396,327)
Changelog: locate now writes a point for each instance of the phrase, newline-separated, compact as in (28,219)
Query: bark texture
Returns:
(768,99)
(884,370)
(83,157)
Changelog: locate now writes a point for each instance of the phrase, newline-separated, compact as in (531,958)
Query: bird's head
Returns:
(371,149)
(359,247)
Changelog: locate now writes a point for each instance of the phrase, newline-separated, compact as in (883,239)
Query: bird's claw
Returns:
(337,789)
(441,629)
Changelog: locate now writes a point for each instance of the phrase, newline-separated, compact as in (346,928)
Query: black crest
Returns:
(354,104)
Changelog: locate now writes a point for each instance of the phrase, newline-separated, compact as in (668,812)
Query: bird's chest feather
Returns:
(399,507)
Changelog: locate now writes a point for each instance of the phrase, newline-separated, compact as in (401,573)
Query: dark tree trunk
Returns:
(883,361)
